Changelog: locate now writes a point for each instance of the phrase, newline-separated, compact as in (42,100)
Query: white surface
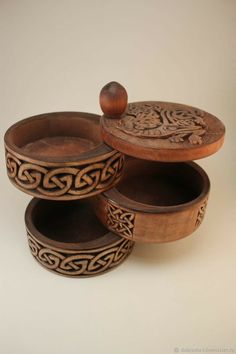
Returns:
(56,55)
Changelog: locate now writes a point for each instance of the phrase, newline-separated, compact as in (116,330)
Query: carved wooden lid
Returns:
(163,131)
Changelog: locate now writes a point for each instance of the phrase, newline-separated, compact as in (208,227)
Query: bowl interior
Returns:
(67,222)
(61,134)
(162,184)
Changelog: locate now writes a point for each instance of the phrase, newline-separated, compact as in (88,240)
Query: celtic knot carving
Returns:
(201,213)
(119,220)
(80,263)
(69,182)
(150,120)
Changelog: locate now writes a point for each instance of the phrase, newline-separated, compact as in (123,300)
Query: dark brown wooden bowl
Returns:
(155,201)
(68,239)
(61,156)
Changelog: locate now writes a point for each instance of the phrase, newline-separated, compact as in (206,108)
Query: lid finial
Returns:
(113,99)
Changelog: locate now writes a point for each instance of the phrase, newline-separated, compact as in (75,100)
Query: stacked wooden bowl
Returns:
(91,201)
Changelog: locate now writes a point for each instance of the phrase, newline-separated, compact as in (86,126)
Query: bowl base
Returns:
(59,146)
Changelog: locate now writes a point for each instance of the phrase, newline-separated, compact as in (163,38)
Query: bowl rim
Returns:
(96,152)
(108,239)
(120,200)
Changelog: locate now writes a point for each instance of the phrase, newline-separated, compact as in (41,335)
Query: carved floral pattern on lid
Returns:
(156,120)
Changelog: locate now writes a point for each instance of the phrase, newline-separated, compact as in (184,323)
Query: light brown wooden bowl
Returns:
(61,156)
(155,201)
(68,239)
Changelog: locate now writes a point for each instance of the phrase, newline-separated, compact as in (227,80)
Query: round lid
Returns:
(160,131)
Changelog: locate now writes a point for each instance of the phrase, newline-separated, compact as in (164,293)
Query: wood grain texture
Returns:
(68,239)
(155,202)
(61,156)
(163,131)
(113,99)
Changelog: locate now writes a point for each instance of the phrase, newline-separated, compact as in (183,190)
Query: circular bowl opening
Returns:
(70,223)
(159,184)
(57,135)
(68,239)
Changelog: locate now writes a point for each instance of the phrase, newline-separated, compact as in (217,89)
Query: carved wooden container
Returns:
(61,156)
(68,239)
(61,159)
(163,198)
(155,201)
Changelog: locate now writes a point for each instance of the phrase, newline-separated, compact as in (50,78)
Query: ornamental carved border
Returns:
(172,122)
(201,213)
(119,220)
(80,263)
(65,182)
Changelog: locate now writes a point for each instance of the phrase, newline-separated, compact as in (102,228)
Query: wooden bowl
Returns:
(68,239)
(155,201)
(61,156)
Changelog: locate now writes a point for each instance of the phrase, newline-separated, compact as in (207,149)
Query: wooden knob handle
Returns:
(113,99)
